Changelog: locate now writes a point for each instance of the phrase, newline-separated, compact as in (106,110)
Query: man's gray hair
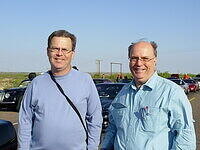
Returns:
(153,44)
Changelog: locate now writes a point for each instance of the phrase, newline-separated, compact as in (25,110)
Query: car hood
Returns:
(7,131)
(14,89)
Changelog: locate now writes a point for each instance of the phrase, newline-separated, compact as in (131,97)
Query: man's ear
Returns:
(73,54)
(155,61)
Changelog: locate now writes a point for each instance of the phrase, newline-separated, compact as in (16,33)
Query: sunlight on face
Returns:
(60,59)
(141,70)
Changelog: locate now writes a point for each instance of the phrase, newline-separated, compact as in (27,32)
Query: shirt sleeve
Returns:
(181,122)
(25,121)
(108,141)
(93,118)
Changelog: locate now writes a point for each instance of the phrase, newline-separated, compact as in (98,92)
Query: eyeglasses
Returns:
(142,59)
(56,49)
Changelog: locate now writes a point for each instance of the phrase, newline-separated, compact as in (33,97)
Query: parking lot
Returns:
(195,102)
(194,98)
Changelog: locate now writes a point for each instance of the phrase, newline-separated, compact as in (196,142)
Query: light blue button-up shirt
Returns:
(157,116)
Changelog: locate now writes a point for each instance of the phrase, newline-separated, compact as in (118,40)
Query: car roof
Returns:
(188,79)
(111,83)
(176,79)
(100,79)
(170,78)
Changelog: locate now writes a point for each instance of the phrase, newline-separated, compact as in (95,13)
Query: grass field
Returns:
(11,79)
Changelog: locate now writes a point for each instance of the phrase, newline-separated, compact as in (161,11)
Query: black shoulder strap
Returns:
(71,104)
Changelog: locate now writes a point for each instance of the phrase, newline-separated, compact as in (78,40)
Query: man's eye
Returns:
(145,59)
(134,58)
(55,49)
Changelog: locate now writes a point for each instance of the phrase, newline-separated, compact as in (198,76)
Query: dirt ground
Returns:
(6,82)
(195,102)
(193,97)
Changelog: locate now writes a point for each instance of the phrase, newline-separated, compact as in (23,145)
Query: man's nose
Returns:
(59,52)
(139,62)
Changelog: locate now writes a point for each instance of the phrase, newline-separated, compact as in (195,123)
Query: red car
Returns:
(192,85)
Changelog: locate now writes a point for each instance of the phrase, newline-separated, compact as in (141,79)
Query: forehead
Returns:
(142,49)
(61,41)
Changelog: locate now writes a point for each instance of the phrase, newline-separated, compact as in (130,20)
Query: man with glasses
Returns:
(149,113)
(47,120)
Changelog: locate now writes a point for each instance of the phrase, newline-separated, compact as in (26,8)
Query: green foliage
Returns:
(96,75)
(9,79)
(192,75)
(112,77)
(165,74)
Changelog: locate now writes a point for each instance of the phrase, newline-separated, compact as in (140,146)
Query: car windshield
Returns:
(109,90)
(24,83)
(196,79)
(2,93)
(189,81)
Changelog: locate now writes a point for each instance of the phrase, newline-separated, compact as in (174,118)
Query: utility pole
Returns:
(115,63)
(98,62)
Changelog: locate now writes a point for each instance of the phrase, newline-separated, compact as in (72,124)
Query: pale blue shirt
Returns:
(157,116)
(48,122)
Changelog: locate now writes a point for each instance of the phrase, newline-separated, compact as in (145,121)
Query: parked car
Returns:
(107,92)
(8,136)
(11,98)
(198,75)
(192,84)
(197,79)
(197,84)
(125,80)
(99,80)
(182,84)
(171,78)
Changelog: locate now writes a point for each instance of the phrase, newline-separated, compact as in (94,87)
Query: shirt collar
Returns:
(150,84)
(67,75)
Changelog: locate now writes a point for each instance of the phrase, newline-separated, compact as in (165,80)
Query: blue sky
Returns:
(104,30)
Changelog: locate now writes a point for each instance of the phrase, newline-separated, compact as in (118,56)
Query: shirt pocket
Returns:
(118,113)
(150,119)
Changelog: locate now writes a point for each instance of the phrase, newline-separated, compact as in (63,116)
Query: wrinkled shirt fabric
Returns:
(157,116)
(48,122)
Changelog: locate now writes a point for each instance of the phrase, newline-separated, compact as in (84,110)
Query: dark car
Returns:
(8,136)
(125,80)
(107,92)
(97,81)
(11,98)
(171,78)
